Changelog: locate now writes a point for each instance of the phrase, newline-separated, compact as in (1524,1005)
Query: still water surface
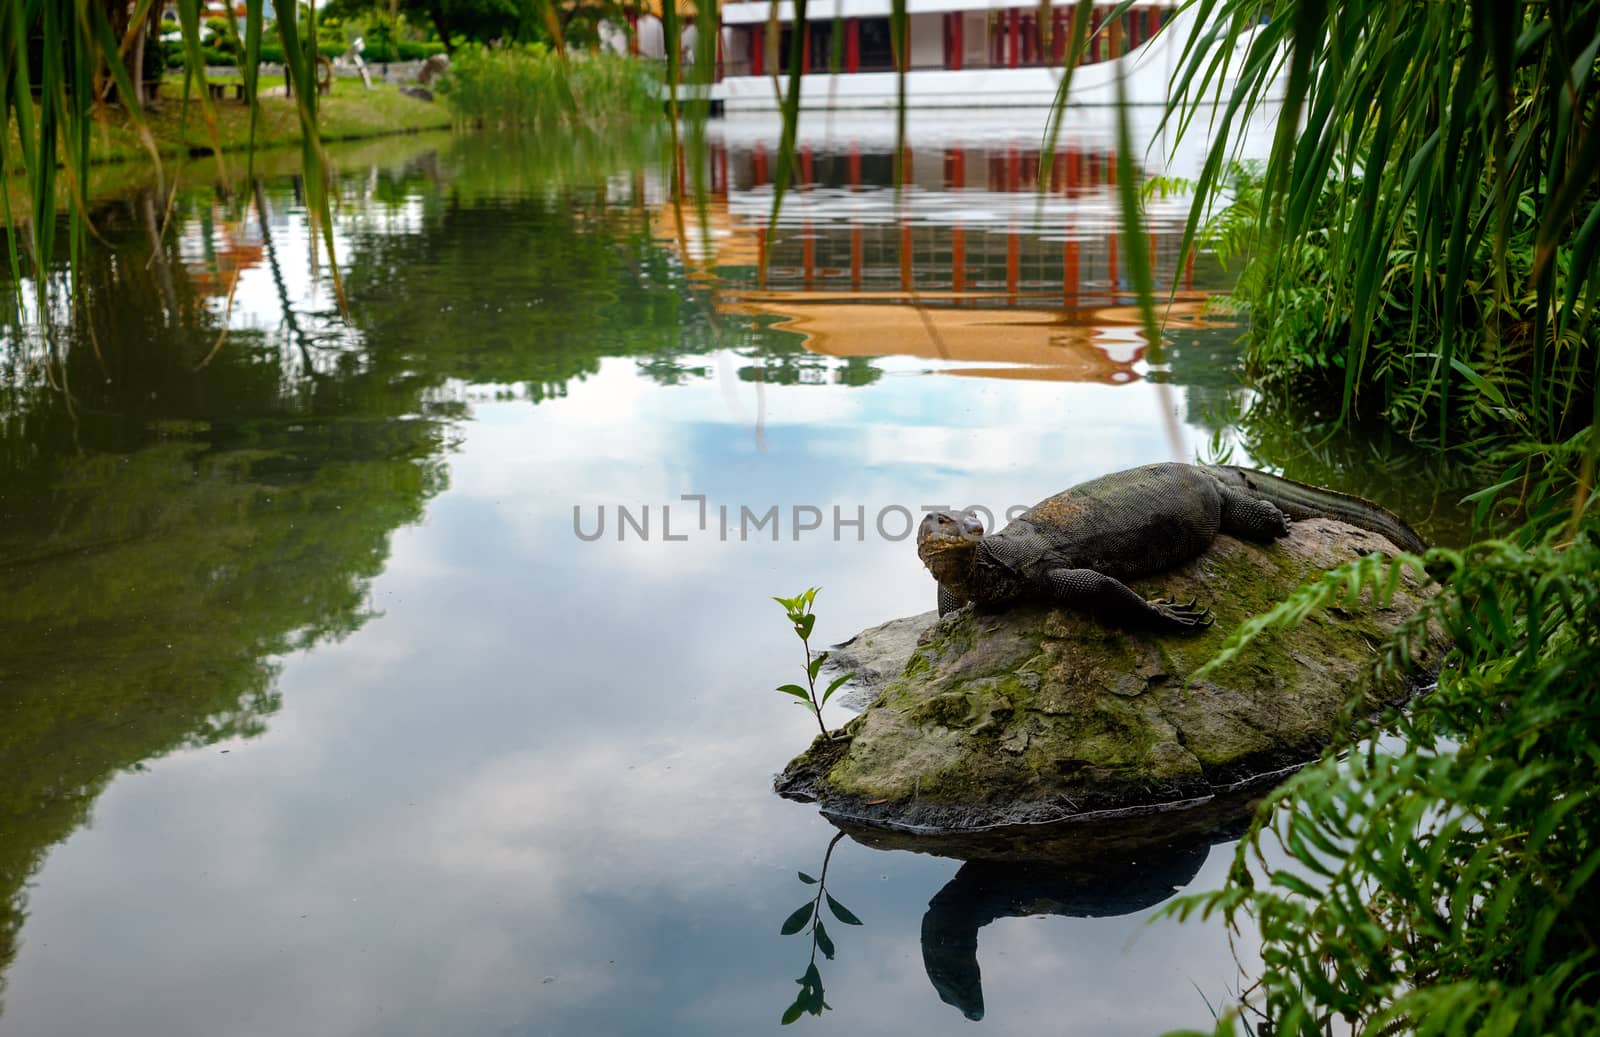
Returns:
(318,717)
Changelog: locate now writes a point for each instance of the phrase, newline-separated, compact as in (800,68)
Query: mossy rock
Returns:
(1038,714)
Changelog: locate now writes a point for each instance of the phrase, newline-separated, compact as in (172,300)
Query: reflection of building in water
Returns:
(218,250)
(960,53)
(984,258)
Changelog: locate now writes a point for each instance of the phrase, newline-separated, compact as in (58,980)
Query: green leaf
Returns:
(1294,883)
(841,912)
(816,664)
(796,690)
(795,1010)
(823,943)
(797,921)
(807,879)
(835,686)
(803,627)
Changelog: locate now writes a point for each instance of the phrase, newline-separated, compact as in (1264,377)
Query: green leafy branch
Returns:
(810,998)
(1441,878)
(800,614)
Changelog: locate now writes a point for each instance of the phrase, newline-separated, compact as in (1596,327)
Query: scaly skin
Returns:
(1077,547)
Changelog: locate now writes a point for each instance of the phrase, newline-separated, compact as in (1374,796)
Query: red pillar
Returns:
(855,258)
(805,46)
(852,44)
(759,163)
(633,33)
(758,50)
(957,43)
(854,164)
(1014,38)
(805,165)
(955,168)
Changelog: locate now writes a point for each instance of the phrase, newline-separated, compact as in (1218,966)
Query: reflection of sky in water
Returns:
(533,794)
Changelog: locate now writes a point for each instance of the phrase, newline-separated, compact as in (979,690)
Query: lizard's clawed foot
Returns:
(1186,615)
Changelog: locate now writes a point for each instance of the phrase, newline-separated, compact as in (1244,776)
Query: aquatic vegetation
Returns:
(799,611)
(86,50)
(1427,243)
(1448,887)
(1423,252)
(534,86)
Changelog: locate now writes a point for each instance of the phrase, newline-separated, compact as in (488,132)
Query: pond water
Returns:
(323,710)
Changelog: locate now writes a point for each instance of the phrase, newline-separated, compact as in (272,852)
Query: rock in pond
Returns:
(1041,716)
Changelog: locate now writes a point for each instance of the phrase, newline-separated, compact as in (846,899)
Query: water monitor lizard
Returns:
(1077,547)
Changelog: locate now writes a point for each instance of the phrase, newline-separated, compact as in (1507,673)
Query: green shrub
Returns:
(378,51)
(1443,880)
(411,50)
(531,86)
(1300,343)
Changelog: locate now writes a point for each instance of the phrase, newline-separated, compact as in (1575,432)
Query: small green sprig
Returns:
(800,614)
(810,997)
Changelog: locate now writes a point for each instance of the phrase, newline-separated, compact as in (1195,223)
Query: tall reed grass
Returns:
(532,86)
(1430,212)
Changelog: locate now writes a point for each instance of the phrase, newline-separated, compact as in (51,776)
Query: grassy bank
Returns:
(350,112)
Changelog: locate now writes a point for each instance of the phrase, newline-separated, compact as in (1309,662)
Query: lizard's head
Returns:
(947,541)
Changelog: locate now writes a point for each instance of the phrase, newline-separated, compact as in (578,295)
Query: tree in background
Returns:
(485,21)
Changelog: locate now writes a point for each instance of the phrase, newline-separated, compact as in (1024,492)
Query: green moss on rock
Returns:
(1037,713)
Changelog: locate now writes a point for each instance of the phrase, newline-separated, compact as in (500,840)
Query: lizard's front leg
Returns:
(1252,518)
(1086,588)
(949,601)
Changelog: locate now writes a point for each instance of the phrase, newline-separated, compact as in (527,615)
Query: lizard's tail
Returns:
(1299,501)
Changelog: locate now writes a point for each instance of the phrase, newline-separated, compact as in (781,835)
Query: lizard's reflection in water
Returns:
(983,891)
(1103,870)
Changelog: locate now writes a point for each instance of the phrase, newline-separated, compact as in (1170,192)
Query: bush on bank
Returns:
(222,55)
(534,86)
